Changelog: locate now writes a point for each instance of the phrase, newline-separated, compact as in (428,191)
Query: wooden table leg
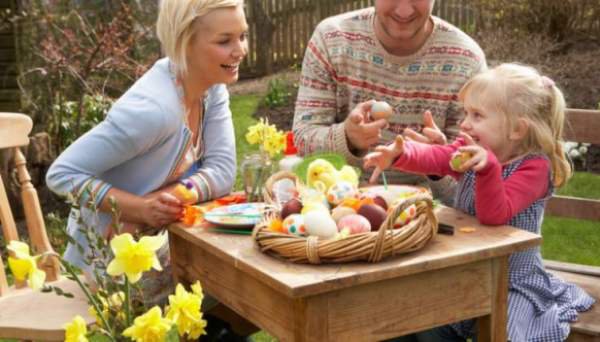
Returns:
(493,327)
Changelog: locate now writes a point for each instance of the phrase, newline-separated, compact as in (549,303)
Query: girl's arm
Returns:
(498,200)
(428,159)
(216,172)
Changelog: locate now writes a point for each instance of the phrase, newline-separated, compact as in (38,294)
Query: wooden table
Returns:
(453,278)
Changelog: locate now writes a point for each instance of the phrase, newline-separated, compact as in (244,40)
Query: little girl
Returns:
(512,130)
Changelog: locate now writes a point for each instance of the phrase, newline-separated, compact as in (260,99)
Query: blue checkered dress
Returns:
(540,305)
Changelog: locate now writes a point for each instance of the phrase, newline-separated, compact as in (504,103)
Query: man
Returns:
(395,52)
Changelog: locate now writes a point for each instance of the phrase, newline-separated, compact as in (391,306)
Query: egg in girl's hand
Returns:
(374,214)
(294,224)
(319,223)
(458,159)
(381,110)
(355,224)
(340,211)
(340,190)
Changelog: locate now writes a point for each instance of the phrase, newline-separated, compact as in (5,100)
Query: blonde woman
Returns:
(512,132)
(173,125)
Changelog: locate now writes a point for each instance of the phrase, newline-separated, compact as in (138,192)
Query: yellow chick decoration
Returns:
(321,175)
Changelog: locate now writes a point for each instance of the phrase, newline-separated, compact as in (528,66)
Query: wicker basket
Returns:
(371,246)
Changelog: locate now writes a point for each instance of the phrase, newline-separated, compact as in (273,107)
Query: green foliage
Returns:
(570,240)
(242,108)
(72,118)
(278,94)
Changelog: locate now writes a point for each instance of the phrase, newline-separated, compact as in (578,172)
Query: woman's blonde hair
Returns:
(174,26)
(520,92)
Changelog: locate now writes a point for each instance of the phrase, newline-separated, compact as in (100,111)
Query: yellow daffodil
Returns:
(149,327)
(274,143)
(76,330)
(184,311)
(24,266)
(133,258)
(267,136)
(114,304)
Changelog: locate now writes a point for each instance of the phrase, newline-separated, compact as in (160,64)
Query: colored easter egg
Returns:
(294,224)
(340,190)
(355,224)
(458,159)
(293,206)
(406,216)
(319,223)
(381,110)
(374,213)
(340,211)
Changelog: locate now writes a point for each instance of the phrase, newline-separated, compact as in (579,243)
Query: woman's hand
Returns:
(479,158)
(160,208)
(360,132)
(431,133)
(383,157)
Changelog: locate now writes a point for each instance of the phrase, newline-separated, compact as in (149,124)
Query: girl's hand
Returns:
(160,208)
(383,157)
(479,158)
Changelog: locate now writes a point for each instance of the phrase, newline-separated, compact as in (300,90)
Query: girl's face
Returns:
(489,129)
(218,46)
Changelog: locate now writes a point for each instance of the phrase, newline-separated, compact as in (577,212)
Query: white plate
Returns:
(243,215)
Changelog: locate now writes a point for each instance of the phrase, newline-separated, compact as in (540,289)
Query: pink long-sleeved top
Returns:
(497,200)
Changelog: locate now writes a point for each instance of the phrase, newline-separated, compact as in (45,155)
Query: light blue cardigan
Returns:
(139,145)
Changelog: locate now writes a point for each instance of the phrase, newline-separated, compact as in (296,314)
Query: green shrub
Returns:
(278,94)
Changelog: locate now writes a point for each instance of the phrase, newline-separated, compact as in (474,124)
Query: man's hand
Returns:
(360,132)
(383,157)
(431,132)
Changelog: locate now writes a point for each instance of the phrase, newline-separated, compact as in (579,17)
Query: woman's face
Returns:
(218,46)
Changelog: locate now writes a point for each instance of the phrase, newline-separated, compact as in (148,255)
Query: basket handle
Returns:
(388,224)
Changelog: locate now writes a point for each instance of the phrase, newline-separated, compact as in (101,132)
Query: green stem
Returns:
(127,302)
(89,297)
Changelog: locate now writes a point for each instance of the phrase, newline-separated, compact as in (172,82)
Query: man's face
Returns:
(403,20)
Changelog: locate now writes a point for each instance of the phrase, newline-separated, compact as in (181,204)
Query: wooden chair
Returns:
(24,313)
(582,126)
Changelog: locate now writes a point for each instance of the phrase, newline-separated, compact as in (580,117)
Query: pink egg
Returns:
(355,224)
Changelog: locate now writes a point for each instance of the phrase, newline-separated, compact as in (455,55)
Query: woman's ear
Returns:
(520,130)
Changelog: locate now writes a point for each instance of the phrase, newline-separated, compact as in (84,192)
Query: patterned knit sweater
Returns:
(345,64)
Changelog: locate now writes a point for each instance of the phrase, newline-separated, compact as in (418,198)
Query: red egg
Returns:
(374,213)
(293,206)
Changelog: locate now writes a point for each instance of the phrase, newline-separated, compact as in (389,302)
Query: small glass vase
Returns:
(256,168)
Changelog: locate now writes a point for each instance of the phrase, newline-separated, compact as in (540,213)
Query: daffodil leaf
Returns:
(98,337)
(172,335)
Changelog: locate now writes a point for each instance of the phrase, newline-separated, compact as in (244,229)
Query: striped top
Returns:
(345,64)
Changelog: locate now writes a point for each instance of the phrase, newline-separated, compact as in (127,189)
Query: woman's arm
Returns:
(215,176)
(133,126)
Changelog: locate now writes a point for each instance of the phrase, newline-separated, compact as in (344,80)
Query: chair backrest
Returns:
(582,126)
(14,133)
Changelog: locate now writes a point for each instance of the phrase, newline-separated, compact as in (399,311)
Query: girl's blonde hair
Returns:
(174,26)
(520,92)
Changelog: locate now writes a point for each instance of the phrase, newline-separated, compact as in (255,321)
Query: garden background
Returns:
(63,62)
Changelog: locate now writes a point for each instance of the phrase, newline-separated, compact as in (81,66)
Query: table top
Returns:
(299,280)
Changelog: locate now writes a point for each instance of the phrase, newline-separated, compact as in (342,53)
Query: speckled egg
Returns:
(406,216)
(355,224)
(340,190)
(319,223)
(340,211)
(294,224)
